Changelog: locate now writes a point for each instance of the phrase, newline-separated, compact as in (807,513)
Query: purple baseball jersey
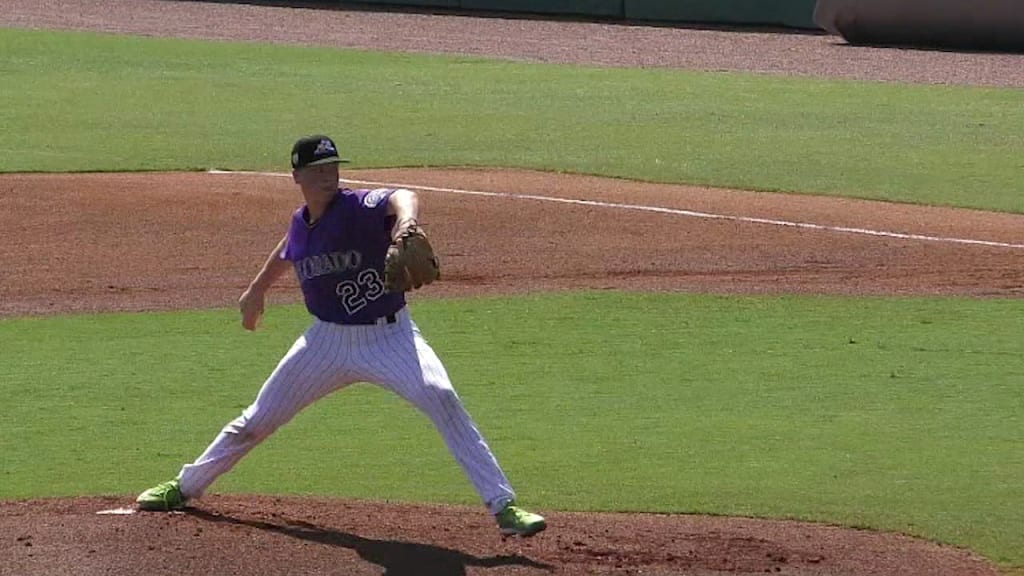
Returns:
(339,260)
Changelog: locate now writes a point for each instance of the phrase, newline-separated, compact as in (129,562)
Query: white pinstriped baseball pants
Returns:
(328,357)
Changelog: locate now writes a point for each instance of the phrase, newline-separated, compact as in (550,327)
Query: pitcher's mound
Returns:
(255,535)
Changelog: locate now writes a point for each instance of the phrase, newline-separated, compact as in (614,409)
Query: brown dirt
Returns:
(93,240)
(172,241)
(248,535)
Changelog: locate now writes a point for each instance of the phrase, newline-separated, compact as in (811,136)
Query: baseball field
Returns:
(721,302)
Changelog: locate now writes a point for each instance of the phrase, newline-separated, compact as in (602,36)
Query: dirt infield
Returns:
(173,241)
(101,242)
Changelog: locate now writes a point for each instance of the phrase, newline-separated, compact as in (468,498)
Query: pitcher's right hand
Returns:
(251,304)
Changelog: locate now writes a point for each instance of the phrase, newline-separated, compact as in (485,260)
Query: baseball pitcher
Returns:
(355,253)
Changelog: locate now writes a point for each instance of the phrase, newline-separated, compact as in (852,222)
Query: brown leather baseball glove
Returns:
(410,262)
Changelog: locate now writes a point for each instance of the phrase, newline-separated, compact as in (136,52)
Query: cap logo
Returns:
(325,148)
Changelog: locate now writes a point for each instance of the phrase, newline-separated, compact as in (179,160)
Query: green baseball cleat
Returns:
(162,497)
(514,521)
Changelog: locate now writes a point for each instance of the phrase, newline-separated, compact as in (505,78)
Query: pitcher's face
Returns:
(321,179)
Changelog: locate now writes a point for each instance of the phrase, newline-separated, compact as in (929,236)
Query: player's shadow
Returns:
(397,558)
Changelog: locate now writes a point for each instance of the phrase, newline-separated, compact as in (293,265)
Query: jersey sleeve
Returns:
(375,200)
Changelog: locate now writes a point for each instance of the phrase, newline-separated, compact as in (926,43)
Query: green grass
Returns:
(101,102)
(901,414)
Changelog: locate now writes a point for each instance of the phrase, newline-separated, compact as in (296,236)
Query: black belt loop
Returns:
(391,318)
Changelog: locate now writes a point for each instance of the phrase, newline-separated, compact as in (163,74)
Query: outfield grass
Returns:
(102,102)
(900,414)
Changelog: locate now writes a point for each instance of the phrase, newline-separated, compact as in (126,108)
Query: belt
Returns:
(379,321)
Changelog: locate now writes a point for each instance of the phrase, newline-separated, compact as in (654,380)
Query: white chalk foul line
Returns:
(674,211)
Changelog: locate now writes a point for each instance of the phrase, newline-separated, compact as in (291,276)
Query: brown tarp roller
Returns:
(958,24)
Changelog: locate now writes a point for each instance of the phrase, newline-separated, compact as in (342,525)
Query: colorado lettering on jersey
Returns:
(323,264)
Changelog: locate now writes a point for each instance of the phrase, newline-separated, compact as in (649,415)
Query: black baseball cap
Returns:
(314,150)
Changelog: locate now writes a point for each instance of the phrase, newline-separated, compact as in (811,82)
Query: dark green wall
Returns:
(791,13)
(787,13)
(432,3)
(582,7)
